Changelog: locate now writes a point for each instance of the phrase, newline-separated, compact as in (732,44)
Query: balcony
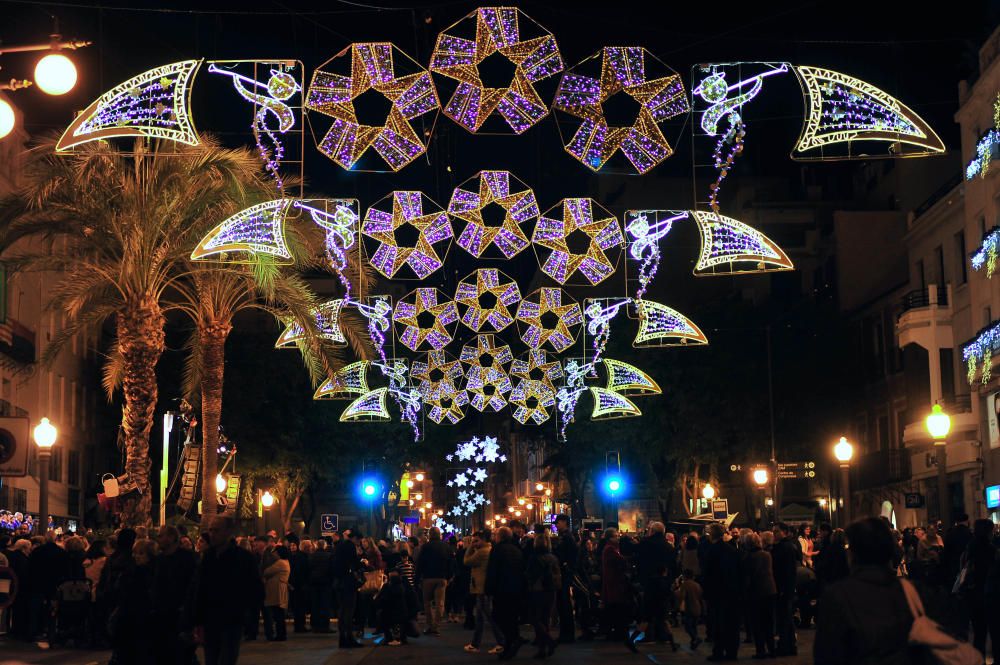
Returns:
(17,344)
(925,318)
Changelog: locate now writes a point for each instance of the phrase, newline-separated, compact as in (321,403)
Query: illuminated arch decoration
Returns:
(327,323)
(486,378)
(841,109)
(399,213)
(348,381)
(578,219)
(609,405)
(727,245)
(623,70)
(411,311)
(369,408)
(493,187)
(485,297)
(504,32)
(154,104)
(439,377)
(535,393)
(548,303)
(629,380)
(661,326)
(382,67)
(986,255)
(259,229)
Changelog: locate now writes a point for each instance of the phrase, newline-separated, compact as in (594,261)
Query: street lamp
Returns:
(938,425)
(708,492)
(45,437)
(6,118)
(420,477)
(844,451)
(760,479)
(55,74)
(267,499)
(220,483)
(539,487)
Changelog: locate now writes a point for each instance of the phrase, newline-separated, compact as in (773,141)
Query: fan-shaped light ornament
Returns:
(374,66)
(327,324)
(660,326)
(501,189)
(629,380)
(370,407)
(155,104)
(547,304)
(346,382)
(622,71)
(485,298)
(486,379)
(257,230)
(411,312)
(609,405)
(578,217)
(727,245)
(439,377)
(497,31)
(841,109)
(417,213)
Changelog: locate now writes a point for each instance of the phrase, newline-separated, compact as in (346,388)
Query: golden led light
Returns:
(626,379)
(590,222)
(822,503)
(439,377)
(405,211)
(544,303)
(503,521)
(411,502)
(660,326)
(423,510)
(485,298)
(409,484)
(408,316)
(517,513)
(55,74)
(510,509)
(729,246)
(428,505)
(609,405)
(419,497)
(6,118)
(486,380)
(440,512)
(469,200)
(497,518)
(347,382)
(370,407)
(548,492)
(769,502)
(535,393)
(529,506)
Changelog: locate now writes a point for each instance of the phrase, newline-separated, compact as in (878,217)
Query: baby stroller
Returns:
(72,612)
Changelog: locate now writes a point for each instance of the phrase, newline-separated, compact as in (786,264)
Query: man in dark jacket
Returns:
(785,556)
(956,541)
(722,585)
(320,586)
(653,555)
(173,581)
(19,613)
(345,569)
(435,566)
(567,552)
(228,583)
(505,582)
(298,582)
(48,565)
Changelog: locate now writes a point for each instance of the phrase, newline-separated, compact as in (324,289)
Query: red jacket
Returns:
(614,583)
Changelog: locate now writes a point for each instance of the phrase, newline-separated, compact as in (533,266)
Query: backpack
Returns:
(941,647)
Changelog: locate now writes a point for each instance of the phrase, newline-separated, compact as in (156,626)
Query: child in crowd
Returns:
(689,602)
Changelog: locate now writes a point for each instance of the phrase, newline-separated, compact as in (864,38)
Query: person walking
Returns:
(172,583)
(347,578)
(505,582)
(785,558)
(690,604)
(567,551)
(616,593)
(435,566)
(977,561)
(321,584)
(298,582)
(760,592)
(477,559)
(544,581)
(653,557)
(721,581)
(276,595)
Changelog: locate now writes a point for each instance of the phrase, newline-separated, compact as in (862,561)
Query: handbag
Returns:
(927,634)
(110,482)
(374,579)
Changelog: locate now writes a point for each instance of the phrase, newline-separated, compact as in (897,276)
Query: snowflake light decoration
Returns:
(259,229)
(425,315)
(729,244)
(439,377)
(498,32)
(327,323)
(379,67)
(347,381)
(543,318)
(660,326)
(413,232)
(622,71)
(486,297)
(594,234)
(469,498)
(493,188)
(486,376)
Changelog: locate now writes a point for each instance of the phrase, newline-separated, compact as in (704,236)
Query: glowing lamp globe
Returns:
(6,118)
(708,492)
(409,484)
(55,74)
(520,502)
(760,476)
(266,499)
(529,506)
(938,423)
(369,489)
(614,485)
(428,505)
(770,502)
(539,487)
(420,477)
(45,434)
(220,483)
(843,451)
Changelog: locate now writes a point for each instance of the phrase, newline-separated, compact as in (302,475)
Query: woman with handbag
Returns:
(276,595)
(374,577)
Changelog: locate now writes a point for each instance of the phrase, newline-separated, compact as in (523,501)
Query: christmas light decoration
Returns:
(661,326)
(727,242)
(439,377)
(154,104)
(339,219)
(609,404)
(427,303)
(980,164)
(259,229)
(280,87)
(629,380)
(486,296)
(622,71)
(986,255)
(843,109)
(327,323)
(486,379)
(379,67)
(715,91)
(547,303)
(980,350)
(578,221)
(413,213)
(469,499)
(497,32)
(535,393)
(646,228)
(493,188)
(370,407)
(347,381)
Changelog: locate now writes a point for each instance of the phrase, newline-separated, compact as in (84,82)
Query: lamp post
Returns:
(45,437)
(708,493)
(844,451)
(760,478)
(938,424)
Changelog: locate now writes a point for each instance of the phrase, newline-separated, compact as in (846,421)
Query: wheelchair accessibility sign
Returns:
(328,523)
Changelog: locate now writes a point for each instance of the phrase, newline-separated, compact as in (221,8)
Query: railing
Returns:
(925,298)
(8,410)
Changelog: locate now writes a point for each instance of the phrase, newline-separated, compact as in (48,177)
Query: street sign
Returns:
(328,523)
(914,500)
(789,470)
(720,509)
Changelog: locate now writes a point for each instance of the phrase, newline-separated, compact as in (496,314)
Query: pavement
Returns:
(446,649)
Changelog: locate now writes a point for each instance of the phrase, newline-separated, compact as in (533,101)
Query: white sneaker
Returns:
(471,649)
(496,650)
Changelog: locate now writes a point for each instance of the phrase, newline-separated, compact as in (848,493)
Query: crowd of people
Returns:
(155,597)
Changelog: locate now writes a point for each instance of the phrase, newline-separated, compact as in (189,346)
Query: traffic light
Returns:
(614,484)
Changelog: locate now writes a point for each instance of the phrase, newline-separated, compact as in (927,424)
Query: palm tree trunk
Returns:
(140,341)
(213,356)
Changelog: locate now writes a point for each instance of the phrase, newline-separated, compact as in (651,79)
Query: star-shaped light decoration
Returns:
(486,377)
(480,475)
(438,379)
(499,188)
(534,325)
(535,393)
(398,215)
(461,480)
(622,71)
(428,302)
(378,67)
(486,297)
(594,234)
(496,32)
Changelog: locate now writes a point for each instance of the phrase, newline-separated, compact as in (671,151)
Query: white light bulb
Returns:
(6,118)
(55,74)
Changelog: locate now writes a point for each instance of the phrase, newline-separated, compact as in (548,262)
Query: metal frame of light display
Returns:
(487,385)
(368,408)
(542,302)
(661,326)
(444,396)
(497,32)
(578,215)
(347,382)
(257,230)
(487,282)
(407,208)
(373,66)
(493,188)
(532,397)
(431,301)
(327,323)
(727,243)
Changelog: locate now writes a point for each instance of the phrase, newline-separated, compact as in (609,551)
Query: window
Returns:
(73,467)
(963,274)
(20,501)
(73,502)
(55,465)
(921,278)
(939,266)
(72,402)
(883,432)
